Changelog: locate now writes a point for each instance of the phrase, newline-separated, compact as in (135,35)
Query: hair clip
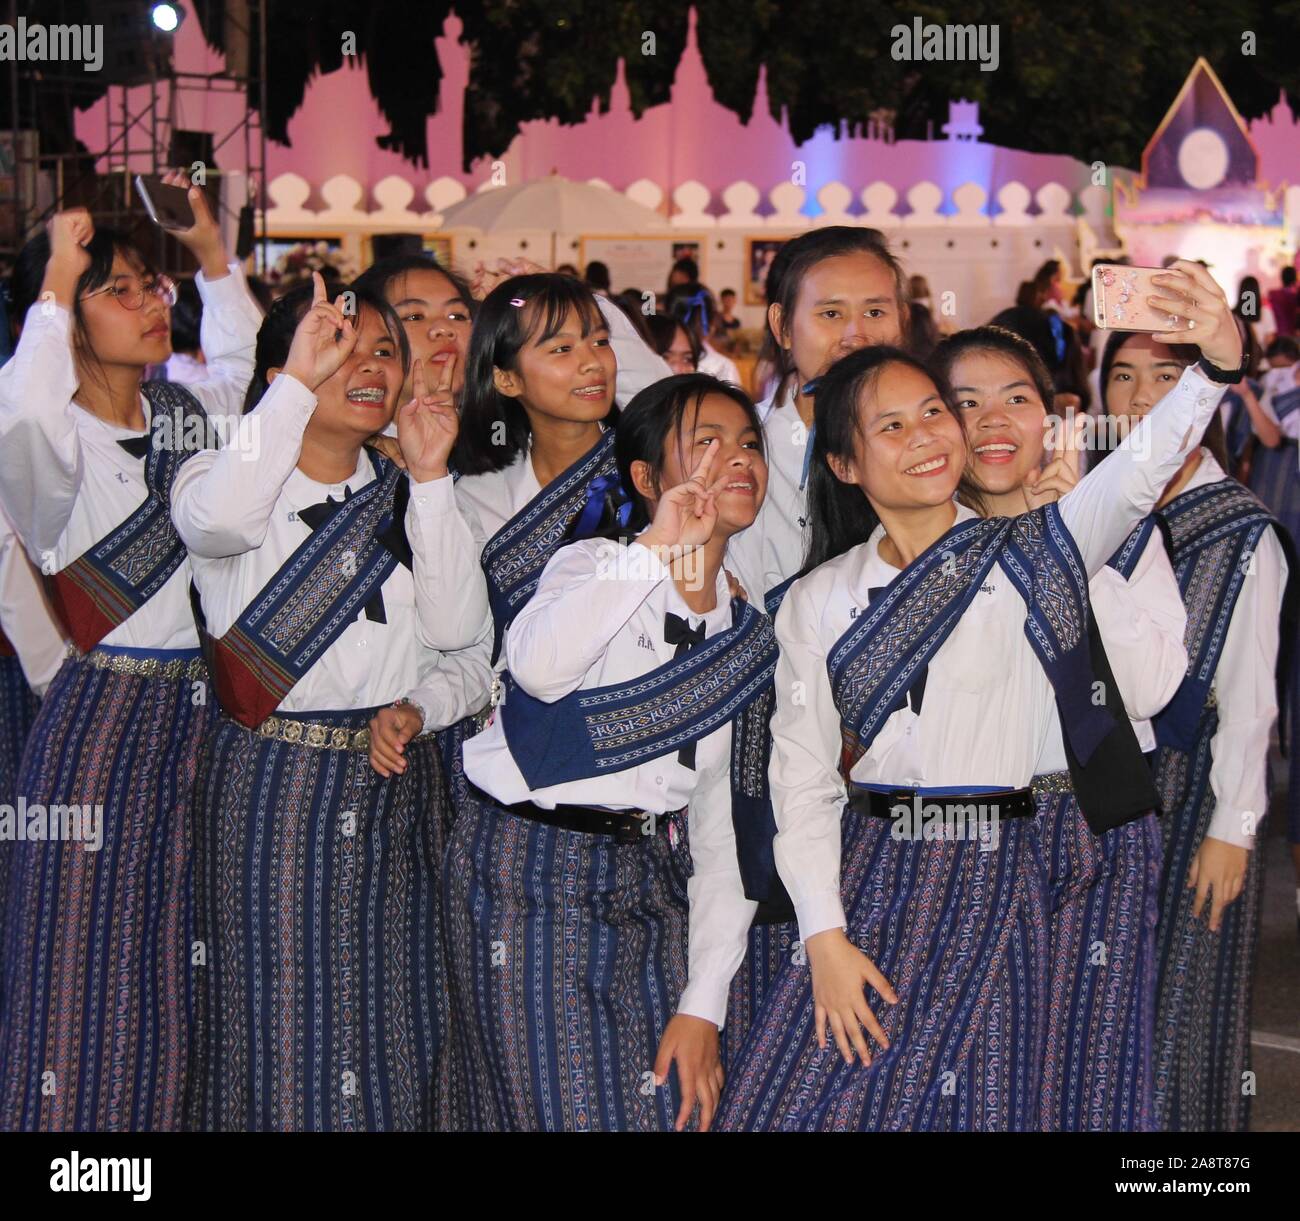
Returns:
(516,301)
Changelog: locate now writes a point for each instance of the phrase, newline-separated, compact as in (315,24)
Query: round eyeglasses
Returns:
(130,291)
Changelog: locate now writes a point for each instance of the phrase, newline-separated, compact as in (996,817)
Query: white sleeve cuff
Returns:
(819,912)
(705,999)
(217,293)
(434,496)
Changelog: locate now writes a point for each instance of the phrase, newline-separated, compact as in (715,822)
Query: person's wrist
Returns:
(303,376)
(426,474)
(213,261)
(415,708)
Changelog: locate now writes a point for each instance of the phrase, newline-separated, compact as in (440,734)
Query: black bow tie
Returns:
(916,692)
(677,631)
(394,538)
(137,447)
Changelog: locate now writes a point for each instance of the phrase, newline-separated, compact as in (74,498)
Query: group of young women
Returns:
(493,730)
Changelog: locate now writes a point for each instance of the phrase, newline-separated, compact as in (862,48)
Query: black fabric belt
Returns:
(626,826)
(1014,803)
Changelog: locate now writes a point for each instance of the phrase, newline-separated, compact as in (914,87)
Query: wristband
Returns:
(1225,377)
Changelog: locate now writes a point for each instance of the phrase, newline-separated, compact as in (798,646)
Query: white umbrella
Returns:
(555,203)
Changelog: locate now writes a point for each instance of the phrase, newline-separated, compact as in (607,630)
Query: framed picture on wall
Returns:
(689,250)
(759,253)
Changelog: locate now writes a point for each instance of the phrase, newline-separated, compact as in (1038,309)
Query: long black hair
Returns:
(840,516)
(646,427)
(1185,354)
(796,259)
(275,335)
(494,428)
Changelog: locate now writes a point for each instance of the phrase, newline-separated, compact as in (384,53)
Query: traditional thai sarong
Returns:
(958,926)
(961,934)
(568,949)
(1274,479)
(18,707)
(568,957)
(1202,1035)
(322,1001)
(1102,901)
(94,1018)
(95,1012)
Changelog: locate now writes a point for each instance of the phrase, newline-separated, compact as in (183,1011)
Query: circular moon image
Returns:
(1203,159)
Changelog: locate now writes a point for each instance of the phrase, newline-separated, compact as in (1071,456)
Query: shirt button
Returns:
(659,780)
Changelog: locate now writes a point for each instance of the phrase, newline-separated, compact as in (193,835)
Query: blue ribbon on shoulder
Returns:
(590,514)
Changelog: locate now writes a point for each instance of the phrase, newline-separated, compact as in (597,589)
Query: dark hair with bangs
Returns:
(380,275)
(840,516)
(663,330)
(645,428)
(501,330)
(796,259)
(29,274)
(275,335)
(1001,342)
(1185,354)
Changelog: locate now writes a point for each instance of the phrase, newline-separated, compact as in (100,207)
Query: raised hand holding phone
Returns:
(428,425)
(203,237)
(1189,293)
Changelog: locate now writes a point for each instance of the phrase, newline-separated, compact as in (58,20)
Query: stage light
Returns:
(166,17)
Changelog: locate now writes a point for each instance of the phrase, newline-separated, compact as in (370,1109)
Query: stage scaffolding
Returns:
(47,171)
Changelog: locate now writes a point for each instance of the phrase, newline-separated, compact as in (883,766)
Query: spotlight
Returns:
(166,17)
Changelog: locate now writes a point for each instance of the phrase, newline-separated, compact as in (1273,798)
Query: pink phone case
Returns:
(1119,296)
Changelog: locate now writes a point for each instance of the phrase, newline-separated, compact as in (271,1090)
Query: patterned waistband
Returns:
(145,663)
(316,735)
(1057,784)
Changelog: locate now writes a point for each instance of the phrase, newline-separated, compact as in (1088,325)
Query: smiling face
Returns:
(569,376)
(119,336)
(359,400)
(845,302)
(1144,371)
(437,323)
(716,421)
(1004,414)
(909,449)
